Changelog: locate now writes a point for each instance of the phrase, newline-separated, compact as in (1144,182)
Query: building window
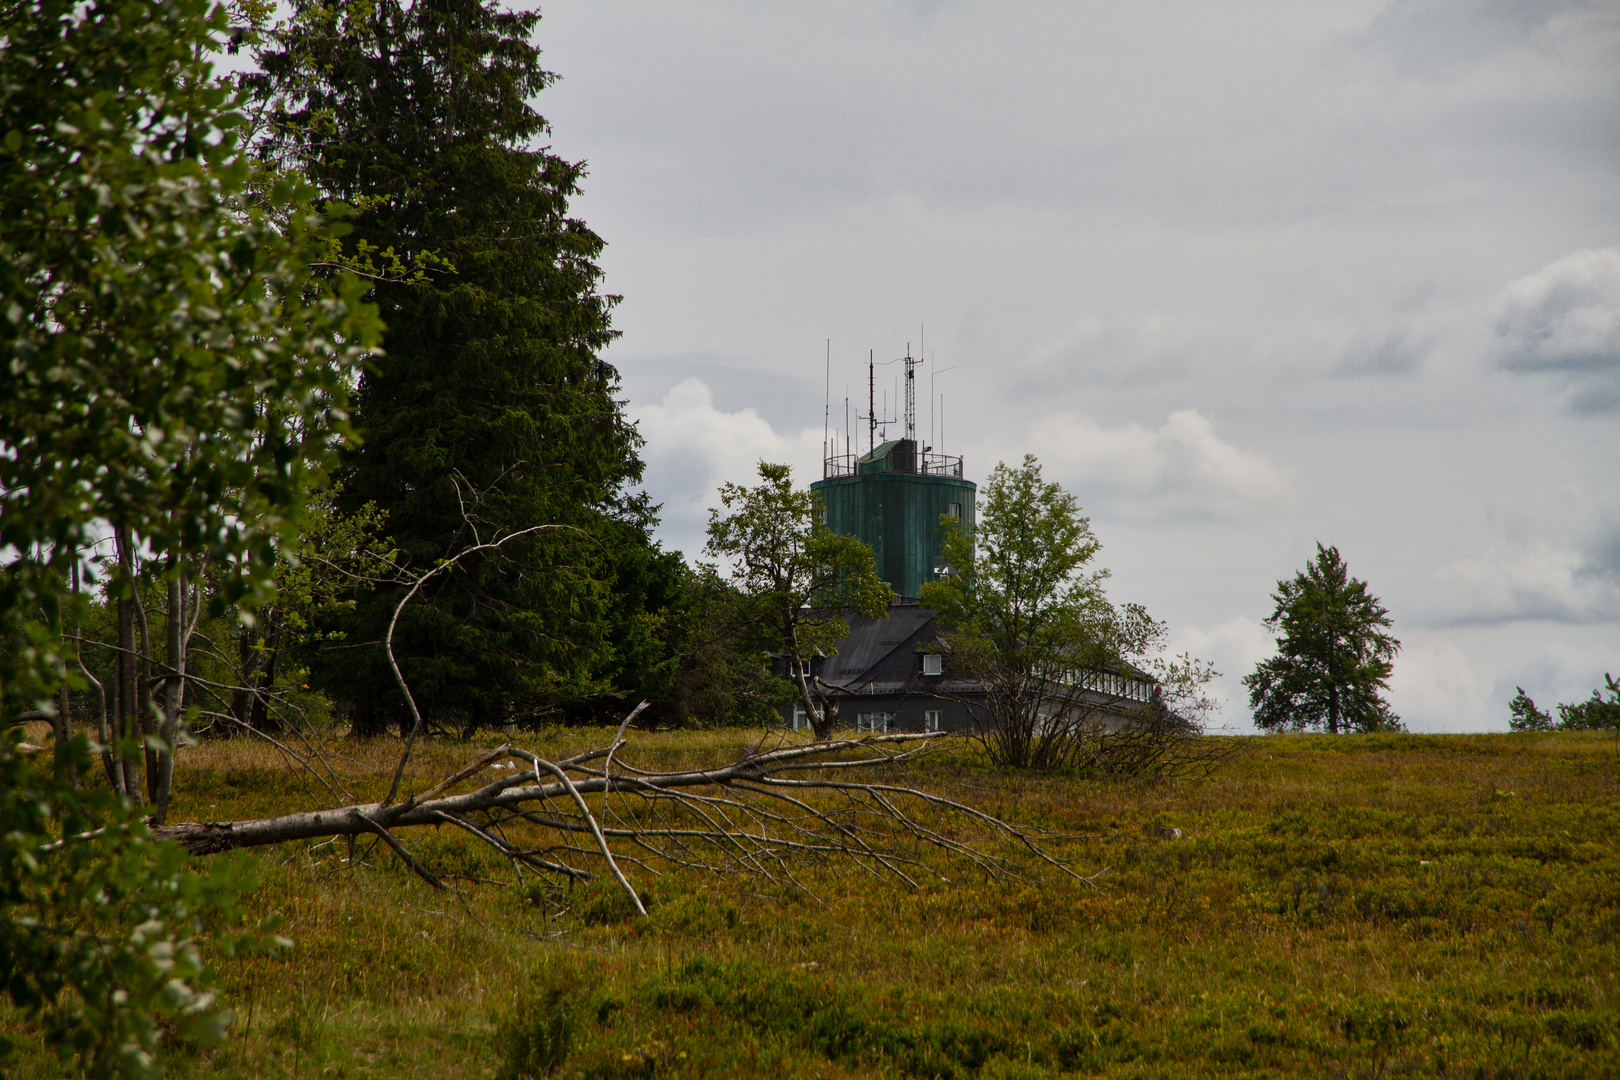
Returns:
(953,510)
(933,664)
(931,720)
(876,722)
(801,719)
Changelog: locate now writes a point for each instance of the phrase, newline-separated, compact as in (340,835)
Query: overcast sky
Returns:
(1243,276)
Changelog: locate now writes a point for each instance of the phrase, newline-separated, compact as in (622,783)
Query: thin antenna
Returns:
(871,401)
(826,411)
(911,394)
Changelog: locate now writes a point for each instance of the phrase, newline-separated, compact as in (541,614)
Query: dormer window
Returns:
(933,664)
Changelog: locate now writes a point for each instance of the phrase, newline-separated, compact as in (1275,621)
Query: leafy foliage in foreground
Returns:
(100,929)
(1371,905)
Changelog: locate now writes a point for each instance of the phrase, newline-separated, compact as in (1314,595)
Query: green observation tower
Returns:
(894,496)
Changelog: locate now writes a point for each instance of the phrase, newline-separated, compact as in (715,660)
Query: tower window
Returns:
(954,511)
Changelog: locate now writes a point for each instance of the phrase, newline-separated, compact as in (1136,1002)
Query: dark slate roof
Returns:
(881,649)
(881,656)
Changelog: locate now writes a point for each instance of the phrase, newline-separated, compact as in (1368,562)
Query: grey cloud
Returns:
(1396,352)
(1218,113)
(1116,213)
(1564,320)
(1439,39)
(1539,582)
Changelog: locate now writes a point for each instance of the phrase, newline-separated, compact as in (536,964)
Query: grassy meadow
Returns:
(1365,906)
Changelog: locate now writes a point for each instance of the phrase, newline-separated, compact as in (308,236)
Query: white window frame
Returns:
(875,722)
(801,717)
(933,664)
(931,720)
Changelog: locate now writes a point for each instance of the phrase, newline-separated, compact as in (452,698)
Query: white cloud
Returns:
(1180,466)
(692,448)
(1565,318)
(1508,583)
(1234,647)
(1433,688)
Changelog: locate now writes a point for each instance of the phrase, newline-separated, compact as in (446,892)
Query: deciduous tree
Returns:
(1334,654)
(802,579)
(147,317)
(1025,615)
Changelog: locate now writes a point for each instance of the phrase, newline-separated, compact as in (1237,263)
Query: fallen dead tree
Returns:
(766,814)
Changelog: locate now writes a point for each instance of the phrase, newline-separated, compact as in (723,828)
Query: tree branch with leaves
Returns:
(802,579)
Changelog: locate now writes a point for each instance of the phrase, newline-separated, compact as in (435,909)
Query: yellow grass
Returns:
(1360,906)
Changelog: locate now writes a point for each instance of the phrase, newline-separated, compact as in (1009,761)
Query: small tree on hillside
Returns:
(1596,713)
(1334,654)
(802,579)
(1524,716)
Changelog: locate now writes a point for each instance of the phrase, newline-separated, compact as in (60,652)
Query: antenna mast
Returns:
(911,394)
(871,401)
(826,413)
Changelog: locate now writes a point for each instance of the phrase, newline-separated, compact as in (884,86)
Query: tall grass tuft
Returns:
(543,1029)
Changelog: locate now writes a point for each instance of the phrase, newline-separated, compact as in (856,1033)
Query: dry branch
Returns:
(759,815)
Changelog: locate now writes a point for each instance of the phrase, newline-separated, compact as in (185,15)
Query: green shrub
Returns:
(544,1027)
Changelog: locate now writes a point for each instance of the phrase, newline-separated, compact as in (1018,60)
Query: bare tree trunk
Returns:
(62,724)
(145,713)
(247,657)
(174,689)
(265,677)
(126,699)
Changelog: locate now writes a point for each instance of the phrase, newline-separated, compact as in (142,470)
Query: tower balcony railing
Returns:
(925,464)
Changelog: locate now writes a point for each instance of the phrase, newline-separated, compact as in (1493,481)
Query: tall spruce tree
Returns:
(490,409)
(1334,654)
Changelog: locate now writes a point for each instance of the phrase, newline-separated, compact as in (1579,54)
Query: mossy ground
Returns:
(1393,905)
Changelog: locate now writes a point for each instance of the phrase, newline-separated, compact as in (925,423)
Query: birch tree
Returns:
(803,580)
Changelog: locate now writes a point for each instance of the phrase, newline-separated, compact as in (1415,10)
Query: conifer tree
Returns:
(1524,716)
(490,409)
(1334,654)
